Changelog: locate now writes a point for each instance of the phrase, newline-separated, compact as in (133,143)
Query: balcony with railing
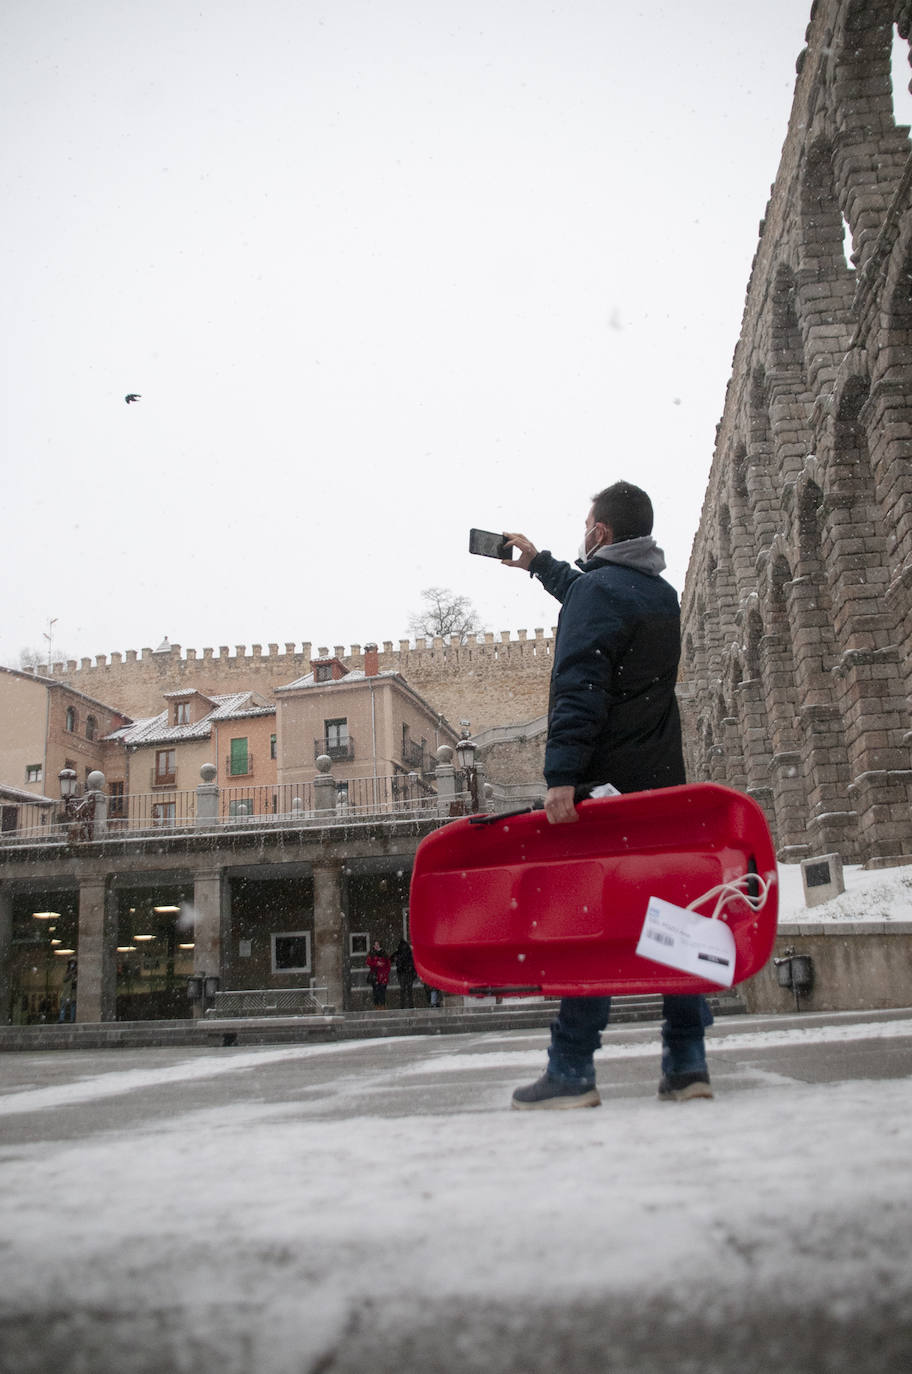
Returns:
(340,748)
(415,755)
(239,765)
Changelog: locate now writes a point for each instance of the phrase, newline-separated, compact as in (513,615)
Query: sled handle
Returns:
(492,817)
(753,887)
(506,989)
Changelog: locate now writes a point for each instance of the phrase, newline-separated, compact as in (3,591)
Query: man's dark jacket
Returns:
(612,714)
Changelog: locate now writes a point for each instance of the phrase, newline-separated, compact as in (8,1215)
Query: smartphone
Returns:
(489,544)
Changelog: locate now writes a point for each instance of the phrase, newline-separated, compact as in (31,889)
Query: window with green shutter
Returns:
(239,759)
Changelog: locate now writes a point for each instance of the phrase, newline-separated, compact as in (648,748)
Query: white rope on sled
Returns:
(735,889)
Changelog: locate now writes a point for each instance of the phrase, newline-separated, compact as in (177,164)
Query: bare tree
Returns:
(36,660)
(446,614)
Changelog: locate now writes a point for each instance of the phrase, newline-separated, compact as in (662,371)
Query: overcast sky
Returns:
(380,272)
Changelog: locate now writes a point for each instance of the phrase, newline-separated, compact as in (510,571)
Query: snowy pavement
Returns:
(376,1206)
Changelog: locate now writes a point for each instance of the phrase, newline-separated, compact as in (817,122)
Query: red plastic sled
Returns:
(517,906)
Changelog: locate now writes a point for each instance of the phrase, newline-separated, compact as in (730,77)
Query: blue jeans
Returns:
(576,1035)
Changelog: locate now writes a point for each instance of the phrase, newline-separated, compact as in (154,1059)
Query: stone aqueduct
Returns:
(798,599)
(797,624)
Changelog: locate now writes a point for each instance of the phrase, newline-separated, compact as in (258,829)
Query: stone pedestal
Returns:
(207,797)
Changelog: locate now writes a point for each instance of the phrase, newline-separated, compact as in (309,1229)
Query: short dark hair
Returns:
(625,509)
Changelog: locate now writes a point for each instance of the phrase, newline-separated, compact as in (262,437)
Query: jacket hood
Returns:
(643,554)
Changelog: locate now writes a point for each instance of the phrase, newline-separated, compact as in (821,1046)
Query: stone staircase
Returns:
(453,1019)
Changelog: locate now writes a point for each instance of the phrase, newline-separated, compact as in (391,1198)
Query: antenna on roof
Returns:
(49,636)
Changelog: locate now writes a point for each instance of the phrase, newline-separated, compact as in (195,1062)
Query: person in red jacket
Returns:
(378,963)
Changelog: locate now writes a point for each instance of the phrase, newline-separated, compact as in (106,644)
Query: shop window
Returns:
(154,951)
(42,953)
(291,951)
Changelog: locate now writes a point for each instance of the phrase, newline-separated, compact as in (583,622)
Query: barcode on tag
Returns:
(679,938)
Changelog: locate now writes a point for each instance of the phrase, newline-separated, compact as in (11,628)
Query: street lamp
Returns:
(81,810)
(68,783)
(465,757)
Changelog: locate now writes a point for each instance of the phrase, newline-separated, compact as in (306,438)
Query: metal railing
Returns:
(270,1002)
(399,795)
(153,811)
(414,754)
(335,748)
(265,802)
(17,818)
(273,805)
(137,813)
(233,768)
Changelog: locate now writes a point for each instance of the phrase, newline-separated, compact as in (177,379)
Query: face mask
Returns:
(584,551)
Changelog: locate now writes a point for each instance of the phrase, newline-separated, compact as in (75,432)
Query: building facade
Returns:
(47,725)
(265,846)
(369,722)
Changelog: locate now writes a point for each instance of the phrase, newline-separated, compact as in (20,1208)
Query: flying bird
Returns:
(132,396)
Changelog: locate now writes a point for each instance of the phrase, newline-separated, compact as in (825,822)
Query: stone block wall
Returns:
(797,615)
(855,966)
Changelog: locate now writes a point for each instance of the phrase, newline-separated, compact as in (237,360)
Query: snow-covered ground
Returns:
(879,895)
(377,1206)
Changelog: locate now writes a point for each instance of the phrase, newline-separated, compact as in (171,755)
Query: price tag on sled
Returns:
(683,940)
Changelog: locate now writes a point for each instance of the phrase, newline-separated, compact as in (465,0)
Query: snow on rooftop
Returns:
(157,730)
(19,794)
(354,675)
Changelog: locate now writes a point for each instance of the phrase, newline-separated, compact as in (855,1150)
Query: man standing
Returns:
(612,718)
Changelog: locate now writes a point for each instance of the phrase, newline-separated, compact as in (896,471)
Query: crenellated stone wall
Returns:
(494,680)
(797,607)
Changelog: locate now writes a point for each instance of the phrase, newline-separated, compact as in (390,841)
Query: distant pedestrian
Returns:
(68,993)
(405,972)
(378,964)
